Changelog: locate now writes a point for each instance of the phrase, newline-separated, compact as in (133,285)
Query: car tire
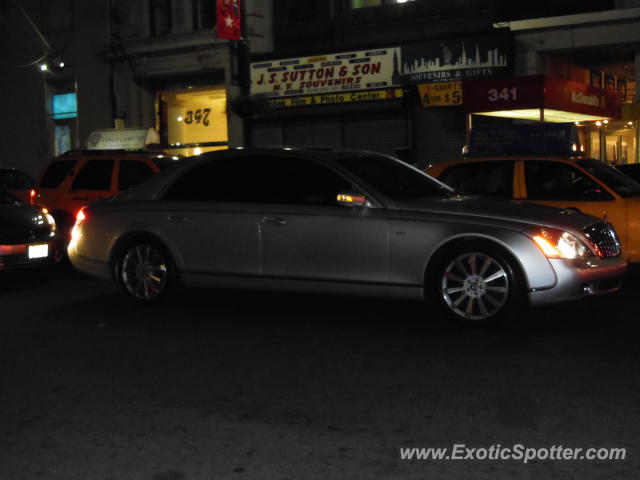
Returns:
(477,283)
(145,271)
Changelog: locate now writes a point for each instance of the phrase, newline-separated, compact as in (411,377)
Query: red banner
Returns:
(228,19)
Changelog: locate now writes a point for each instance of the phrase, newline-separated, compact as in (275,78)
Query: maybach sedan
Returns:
(341,222)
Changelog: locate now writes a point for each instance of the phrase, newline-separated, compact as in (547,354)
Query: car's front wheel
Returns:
(479,284)
(144,271)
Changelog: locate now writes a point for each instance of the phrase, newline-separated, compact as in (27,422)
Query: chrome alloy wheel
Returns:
(143,272)
(475,286)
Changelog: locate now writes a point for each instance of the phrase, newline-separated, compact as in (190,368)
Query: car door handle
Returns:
(274,220)
(177,219)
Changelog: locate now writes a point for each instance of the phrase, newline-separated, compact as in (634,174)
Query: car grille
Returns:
(605,239)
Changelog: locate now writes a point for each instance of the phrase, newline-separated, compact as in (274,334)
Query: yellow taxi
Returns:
(565,181)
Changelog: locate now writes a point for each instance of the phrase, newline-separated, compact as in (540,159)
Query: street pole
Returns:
(245,77)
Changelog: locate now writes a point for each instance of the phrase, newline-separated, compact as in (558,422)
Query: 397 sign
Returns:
(199,116)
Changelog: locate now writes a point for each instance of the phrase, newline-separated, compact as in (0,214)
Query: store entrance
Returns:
(193,120)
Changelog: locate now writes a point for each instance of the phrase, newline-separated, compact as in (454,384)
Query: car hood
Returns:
(522,214)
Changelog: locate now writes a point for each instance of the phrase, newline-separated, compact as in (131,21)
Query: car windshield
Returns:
(393,178)
(624,185)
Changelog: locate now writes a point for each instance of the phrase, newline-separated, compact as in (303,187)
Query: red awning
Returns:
(523,97)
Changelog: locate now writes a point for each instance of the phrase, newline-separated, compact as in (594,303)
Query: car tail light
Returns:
(33,196)
(81,216)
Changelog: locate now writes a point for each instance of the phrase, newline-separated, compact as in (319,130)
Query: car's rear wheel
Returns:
(145,271)
(479,284)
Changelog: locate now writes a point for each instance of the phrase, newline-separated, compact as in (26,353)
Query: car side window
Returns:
(56,173)
(547,180)
(94,175)
(481,178)
(259,179)
(132,173)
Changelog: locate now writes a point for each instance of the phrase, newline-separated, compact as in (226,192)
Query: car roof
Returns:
(309,152)
(552,158)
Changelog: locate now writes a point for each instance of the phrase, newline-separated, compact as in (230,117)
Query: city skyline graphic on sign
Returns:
(445,60)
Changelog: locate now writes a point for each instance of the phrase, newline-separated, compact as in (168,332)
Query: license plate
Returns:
(38,251)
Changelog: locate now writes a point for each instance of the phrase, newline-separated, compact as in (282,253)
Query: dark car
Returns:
(631,169)
(19,184)
(27,234)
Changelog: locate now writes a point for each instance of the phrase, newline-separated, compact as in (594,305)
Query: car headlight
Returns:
(560,244)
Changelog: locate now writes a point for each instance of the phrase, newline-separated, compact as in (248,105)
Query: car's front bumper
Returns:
(14,257)
(576,279)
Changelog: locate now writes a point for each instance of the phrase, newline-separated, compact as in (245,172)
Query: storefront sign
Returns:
(538,92)
(339,72)
(580,98)
(338,98)
(454,59)
(504,94)
(444,94)
(125,139)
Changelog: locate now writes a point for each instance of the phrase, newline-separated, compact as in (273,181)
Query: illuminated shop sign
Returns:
(455,59)
(320,74)
(65,106)
(557,99)
(338,98)
(445,94)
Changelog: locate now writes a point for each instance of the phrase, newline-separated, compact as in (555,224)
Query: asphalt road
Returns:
(235,385)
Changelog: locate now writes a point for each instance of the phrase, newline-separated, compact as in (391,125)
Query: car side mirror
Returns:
(351,200)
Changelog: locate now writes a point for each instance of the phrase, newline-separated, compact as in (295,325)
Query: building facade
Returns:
(569,43)
(119,64)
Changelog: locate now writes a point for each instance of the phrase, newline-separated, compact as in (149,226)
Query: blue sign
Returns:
(534,138)
(65,106)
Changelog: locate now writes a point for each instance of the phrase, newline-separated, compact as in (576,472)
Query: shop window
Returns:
(204,14)
(160,17)
(297,12)
(194,121)
(493,179)
(61,139)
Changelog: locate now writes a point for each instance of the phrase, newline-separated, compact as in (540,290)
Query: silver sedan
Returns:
(348,222)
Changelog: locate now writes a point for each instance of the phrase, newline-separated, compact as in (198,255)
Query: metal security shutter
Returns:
(267,134)
(438,134)
(313,132)
(376,131)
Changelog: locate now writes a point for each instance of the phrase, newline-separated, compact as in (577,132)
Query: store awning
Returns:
(539,97)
